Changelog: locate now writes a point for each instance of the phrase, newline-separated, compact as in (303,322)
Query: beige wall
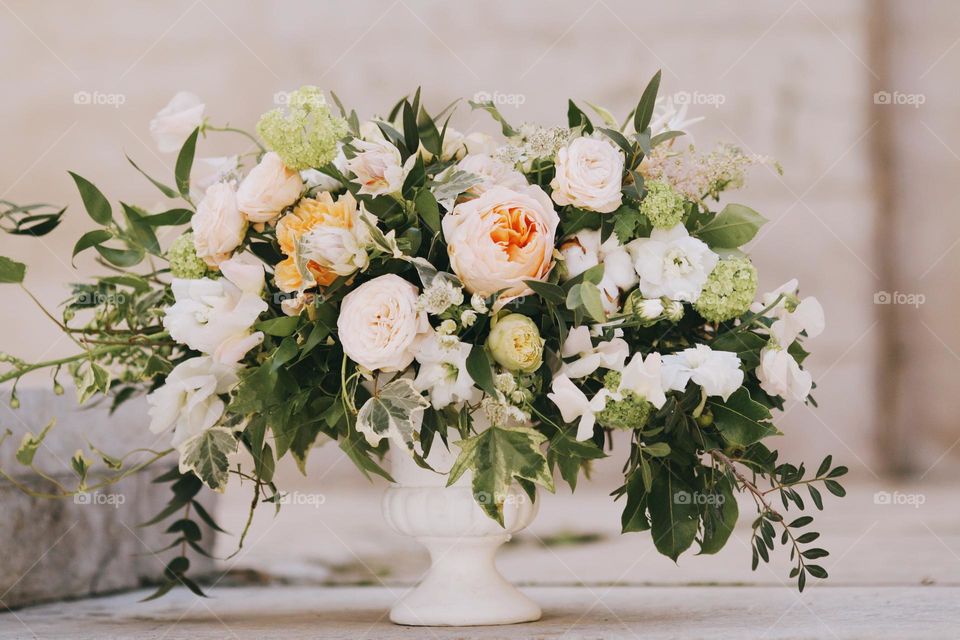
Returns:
(794,78)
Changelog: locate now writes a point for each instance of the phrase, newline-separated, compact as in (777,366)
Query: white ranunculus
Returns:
(380,323)
(589,175)
(189,400)
(780,375)
(218,226)
(215,317)
(209,171)
(443,370)
(718,372)
(174,123)
(610,354)
(493,171)
(573,404)
(378,167)
(498,241)
(268,189)
(644,377)
(670,263)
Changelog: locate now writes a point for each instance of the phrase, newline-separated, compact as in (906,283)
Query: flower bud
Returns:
(515,343)
(673,310)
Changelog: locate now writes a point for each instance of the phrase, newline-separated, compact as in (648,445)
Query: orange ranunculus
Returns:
(309,214)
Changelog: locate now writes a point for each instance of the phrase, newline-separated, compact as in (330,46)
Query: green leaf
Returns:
(170,218)
(548,291)
(411,135)
(164,189)
(674,517)
(120,257)
(657,449)
(279,327)
(569,454)
(139,231)
(644,111)
(392,413)
(576,117)
(96,204)
(719,517)
(185,164)
(91,239)
(30,443)
(206,456)
(741,419)
(586,297)
(733,227)
(634,516)
(497,458)
(11,271)
(490,108)
(428,209)
(481,369)
(746,345)
(604,114)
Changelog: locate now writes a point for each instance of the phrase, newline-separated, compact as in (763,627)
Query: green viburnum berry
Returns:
(729,290)
(631,412)
(184,262)
(305,134)
(662,206)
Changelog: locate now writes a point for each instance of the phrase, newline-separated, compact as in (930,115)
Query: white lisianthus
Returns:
(573,404)
(189,400)
(443,371)
(498,241)
(644,377)
(671,263)
(218,226)
(589,175)
(378,167)
(610,354)
(494,173)
(718,372)
(268,189)
(380,322)
(792,316)
(215,317)
(780,375)
(174,123)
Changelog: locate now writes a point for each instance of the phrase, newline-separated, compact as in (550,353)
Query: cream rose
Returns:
(174,123)
(380,323)
(589,175)
(268,189)
(493,171)
(501,239)
(218,226)
(377,167)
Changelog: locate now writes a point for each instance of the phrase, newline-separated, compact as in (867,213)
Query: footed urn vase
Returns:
(463,586)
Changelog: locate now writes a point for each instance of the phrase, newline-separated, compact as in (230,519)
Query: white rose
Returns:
(718,372)
(501,239)
(268,189)
(379,323)
(189,400)
(493,171)
(214,317)
(174,123)
(378,167)
(589,175)
(780,375)
(670,263)
(218,226)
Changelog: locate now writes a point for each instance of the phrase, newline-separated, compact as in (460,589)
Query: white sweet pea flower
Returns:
(214,317)
(668,117)
(609,355)
(643,376)
(189,399)
(718,372)
(792,315)
(378,167)
(174,123)
(443,371)
(671,263)
(780,375)
(573,404)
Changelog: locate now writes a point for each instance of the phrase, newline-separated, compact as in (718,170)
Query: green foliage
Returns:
(11,271)
(391,412)
(733,227)
(206,456)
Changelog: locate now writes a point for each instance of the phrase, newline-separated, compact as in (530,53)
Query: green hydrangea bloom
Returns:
(632,412)
(729,290)
(662,206)
(184,262)
(305,134)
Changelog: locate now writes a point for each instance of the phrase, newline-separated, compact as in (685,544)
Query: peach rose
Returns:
(268,189)
(501,239)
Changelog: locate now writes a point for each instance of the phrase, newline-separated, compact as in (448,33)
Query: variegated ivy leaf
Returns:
(387,243)
(451,183)
(206,456)
(30,444)
(392,413)
(428,273)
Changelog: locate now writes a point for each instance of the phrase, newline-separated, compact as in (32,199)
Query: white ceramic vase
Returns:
(463,586)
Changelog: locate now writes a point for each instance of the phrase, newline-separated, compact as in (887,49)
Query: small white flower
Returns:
(505,382)
(443,371)
(468,318)
(174,123)
(573,404)
(671,263)
(479,303)
(609,355)
(501,413)
(718,372)
(649,309)
(440,295)
(447,327)
(780,375)
(644,378)
(792,315)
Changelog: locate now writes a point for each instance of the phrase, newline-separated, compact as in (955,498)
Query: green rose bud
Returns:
(515,343)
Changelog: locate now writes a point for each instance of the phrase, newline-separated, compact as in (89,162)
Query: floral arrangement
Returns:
(395,283)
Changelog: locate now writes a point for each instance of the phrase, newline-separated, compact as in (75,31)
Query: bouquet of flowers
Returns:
(396,283)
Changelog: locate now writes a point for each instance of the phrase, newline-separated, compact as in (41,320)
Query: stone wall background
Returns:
(795,79)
